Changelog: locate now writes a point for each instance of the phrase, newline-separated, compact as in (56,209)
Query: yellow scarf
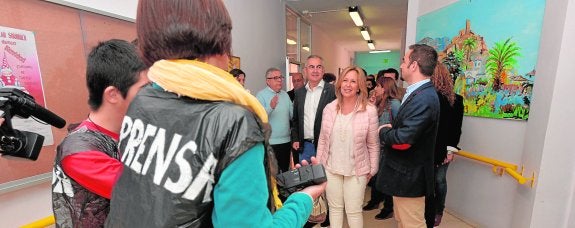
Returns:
(203,81)
(207,83)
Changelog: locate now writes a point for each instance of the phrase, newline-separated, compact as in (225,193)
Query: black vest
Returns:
(174,150)
(74,205)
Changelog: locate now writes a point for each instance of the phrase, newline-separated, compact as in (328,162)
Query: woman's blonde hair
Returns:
(361,84)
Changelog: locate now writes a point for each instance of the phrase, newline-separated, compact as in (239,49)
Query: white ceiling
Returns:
(386,20)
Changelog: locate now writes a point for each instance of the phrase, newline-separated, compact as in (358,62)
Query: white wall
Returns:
(542,144)
(549,142)
(258,38)
(334,56)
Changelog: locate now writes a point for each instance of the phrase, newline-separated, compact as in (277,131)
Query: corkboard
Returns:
(64,37)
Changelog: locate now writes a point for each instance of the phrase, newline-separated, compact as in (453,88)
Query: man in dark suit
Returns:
(407,172)
(308,107)
(297,82)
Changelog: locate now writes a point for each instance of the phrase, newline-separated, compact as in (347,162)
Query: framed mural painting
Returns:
(491,49)
(234,63)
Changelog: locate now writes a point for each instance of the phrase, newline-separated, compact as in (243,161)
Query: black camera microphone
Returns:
(28,107)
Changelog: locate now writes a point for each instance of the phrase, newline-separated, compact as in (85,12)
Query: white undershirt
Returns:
(310,108)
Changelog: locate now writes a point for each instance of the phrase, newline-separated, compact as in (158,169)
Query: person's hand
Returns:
(295,145)
(368,177)
(448,159)
(372,98)
(378,90)
(274,101)
(315,190)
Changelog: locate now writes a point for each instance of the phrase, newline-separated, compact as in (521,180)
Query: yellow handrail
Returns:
(44,222)
(511,169)
(500,166)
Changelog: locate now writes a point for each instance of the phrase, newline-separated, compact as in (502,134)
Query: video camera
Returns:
(297,179)
(22,143)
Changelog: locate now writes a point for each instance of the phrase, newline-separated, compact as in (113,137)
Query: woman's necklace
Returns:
(344,122)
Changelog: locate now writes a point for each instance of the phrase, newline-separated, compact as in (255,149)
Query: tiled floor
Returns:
(369,221)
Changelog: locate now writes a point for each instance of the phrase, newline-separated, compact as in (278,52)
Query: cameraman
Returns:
(87,161)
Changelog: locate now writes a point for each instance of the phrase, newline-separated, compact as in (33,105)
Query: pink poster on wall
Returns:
(20,66)
(20,69)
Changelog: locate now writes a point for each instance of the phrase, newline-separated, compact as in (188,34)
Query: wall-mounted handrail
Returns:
(44,222)
(500,166)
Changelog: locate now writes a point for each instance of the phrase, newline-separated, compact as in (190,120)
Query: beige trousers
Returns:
(345,192)
(409,212)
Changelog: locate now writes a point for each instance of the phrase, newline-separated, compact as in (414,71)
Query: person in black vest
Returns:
(193,142)
(87,161)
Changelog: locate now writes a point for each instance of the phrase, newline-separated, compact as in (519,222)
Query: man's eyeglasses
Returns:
(319,67)
(277,78)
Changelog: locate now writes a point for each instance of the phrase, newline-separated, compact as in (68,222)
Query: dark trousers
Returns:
(378,197)
(282,153)
(440,188)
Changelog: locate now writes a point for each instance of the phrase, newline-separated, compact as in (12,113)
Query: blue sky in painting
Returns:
(495,20)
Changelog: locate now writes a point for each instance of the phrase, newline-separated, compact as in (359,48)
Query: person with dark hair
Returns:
(406,173)
(388,102)
(348,147)
(370,77)
(329,78)
(448,134)
(390,73)
(87,161)
(239,75)
(194,142)
(297,82)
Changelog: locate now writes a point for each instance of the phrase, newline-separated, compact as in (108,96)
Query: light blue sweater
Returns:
(279,118)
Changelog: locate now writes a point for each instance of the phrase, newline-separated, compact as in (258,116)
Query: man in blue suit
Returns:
(407,172)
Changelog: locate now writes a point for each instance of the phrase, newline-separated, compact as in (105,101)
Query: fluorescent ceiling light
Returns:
(379,51)
(291,42)
(365,33)
(305,48)
(355,16)
(371,45)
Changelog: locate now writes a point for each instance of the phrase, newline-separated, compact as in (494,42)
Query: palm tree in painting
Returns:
(502,58)
(469,45)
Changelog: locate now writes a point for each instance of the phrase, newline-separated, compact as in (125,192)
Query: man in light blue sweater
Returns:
(279,107)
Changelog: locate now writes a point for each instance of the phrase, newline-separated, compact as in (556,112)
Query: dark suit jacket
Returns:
(327,96)
(449,130)
(407,170)
(291,94)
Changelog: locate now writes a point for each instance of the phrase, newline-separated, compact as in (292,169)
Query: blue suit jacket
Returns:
(407,170)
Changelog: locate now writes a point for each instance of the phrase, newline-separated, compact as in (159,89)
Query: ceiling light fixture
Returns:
(305,48)
(371,45)
(365,33)
(291,42)
(355,15)
(379,51)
